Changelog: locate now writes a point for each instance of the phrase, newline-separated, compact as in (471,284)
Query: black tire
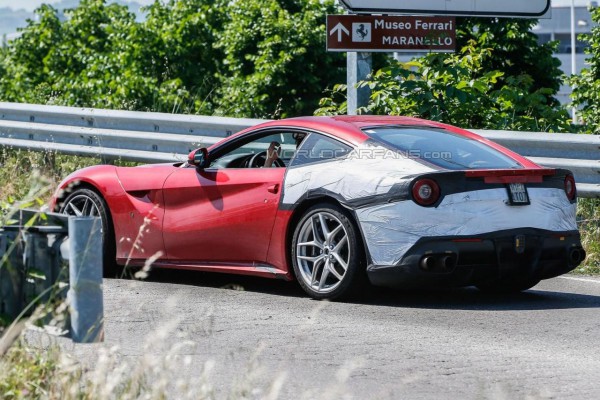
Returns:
(108,237)
(340,251)
(507,286)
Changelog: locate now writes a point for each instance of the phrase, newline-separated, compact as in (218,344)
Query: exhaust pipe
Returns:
(575,256)
(448,262)
(442,263)
(427,263)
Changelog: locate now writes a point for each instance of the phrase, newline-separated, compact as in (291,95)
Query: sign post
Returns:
(359,66)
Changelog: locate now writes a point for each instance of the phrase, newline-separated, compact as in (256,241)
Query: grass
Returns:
(34,176)
(31,175)
(32,369)
(26,373)
(588,215)
(29,371)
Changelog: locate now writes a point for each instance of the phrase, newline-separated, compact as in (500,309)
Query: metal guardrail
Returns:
(157,137)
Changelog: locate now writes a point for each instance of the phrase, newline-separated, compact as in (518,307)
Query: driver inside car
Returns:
(275,148)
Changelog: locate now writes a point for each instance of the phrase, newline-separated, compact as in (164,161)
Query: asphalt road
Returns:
(269,339)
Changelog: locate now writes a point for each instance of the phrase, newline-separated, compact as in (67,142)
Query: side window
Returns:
(317,148)
(252,152)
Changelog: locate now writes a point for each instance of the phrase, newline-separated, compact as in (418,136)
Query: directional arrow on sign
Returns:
(339,28)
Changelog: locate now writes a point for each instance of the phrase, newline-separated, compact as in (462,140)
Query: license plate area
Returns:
(517,194)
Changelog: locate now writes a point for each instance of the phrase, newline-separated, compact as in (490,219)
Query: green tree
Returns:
(99,62)
(275,61)
(586,86)
(180,37)
(24,62)
(456,89)
(101,57)
(239,58)
(515,51)
(91,59)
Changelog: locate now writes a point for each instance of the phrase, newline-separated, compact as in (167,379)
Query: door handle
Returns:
(273,188)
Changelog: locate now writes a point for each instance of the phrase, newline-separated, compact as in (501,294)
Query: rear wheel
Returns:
(87,203)
(327,255)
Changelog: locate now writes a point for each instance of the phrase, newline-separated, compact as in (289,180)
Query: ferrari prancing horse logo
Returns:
(361,32)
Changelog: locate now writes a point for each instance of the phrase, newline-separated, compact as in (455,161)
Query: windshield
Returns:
(442,148)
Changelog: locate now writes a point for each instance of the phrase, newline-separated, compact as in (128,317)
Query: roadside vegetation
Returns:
(27,176)
(260,59)
(586,86)
(267,59)
(588,213)
(30,370)
(499,78)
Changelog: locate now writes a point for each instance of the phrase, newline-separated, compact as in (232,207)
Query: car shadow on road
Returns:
(473,299)
(227,282)
(457,299)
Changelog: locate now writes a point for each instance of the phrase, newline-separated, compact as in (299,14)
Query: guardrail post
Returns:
(43,265)
(85,270)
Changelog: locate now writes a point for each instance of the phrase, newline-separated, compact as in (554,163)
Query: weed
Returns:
(588,215)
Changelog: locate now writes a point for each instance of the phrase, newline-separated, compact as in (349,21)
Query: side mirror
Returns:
(199,158)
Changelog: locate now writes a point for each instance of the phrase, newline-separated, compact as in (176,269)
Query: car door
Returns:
(221,214)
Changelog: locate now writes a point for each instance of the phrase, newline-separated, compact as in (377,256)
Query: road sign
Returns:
(390,33)
(489,8)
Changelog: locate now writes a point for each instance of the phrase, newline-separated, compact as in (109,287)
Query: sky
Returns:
(30,5)
(564,2)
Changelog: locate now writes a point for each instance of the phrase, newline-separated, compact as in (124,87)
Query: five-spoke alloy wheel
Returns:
(81,205)
(87,203)
(327,255)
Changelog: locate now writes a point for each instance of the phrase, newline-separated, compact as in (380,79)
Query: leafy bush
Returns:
(242,58)
(586,86)
(275,62)
(457,89)
(588,214)
(515,52)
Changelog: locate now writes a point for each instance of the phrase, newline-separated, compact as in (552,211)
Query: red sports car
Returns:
(338,203)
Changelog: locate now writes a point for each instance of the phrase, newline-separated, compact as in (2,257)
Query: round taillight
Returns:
(426,192)
(570,188)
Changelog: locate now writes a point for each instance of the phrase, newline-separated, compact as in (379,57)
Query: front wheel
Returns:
(327,254)
(87,203)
